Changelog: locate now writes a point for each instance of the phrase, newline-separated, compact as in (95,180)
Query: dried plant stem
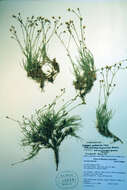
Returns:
(56,156)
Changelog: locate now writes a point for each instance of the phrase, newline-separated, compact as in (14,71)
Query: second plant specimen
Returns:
(83,67)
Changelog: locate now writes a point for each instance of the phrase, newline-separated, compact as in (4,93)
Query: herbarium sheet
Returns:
(63,71)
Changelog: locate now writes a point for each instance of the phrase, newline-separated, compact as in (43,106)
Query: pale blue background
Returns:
(106,37)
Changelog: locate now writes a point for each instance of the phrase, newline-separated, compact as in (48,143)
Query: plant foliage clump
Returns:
(48,128)
(83,68)
(36,36)
(103,114)
(85,74)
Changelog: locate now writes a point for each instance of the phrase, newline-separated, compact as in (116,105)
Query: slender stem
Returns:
(52,33)
(66,48)
(56,156)
(76,32)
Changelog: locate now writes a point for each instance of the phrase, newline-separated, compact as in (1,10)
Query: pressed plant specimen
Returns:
(50,125)
(33,39)
(103,113)
(83,67)
(48,128)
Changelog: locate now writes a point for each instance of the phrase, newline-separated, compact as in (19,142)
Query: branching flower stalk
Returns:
(36,34)
(83,68)
(48,128)
(103,113)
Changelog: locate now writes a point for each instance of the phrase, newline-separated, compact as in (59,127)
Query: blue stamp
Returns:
(67,180)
